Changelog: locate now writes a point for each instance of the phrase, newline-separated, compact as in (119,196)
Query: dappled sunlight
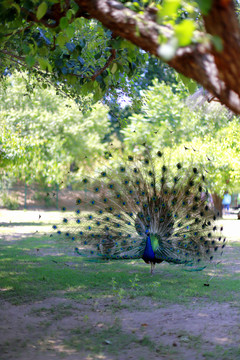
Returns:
(231,229)
(202,314)
(6,289)
(223,340)
(97,357)
(6,260)
(22,216)
(59,347)
(56,345)
(75,289)
(22,222)
(10,273)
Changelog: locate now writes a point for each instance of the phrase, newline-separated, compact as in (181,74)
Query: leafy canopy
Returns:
(43,136)
(209,139)
(60,44)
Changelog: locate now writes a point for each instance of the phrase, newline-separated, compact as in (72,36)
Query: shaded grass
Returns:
(219,352)
(56,312)
(223,353)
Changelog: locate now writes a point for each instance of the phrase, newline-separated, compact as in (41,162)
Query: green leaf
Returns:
(184,79)
(184,32)
(98,55)
(127,44)
(192,87)
(114,68)
(189,83)
(61,40)
(64,23)
(26,49)
(30,60)
(64,70)
(17,7)
(136,5)
(217,42)
(205,6)
(44,64)
(41,11)
(69,14)
(70,31)
(116,43)
(170,7)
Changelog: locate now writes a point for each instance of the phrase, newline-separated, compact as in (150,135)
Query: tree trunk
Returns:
(217,200)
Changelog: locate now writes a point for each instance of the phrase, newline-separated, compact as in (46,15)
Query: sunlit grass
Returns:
(31,274)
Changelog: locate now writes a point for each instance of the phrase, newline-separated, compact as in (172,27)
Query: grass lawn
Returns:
(55,304)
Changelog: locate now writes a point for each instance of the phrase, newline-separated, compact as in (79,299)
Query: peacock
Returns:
(142,206)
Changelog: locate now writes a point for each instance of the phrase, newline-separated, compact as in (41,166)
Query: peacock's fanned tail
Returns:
(139,201)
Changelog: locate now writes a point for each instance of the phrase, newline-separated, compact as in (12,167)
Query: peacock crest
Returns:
(141,206)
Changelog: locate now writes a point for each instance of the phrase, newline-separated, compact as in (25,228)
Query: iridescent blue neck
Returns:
(148,254)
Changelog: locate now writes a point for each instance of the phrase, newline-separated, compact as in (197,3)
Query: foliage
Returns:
(219,152)
(72,57)
(190,135)
(9,202)
(44,136)
(166,120)
(128,104)
(62,45)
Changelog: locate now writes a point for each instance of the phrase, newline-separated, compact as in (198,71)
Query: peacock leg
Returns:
(152,267)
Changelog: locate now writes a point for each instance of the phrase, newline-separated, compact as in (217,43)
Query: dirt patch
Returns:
(55,327)
(202,327)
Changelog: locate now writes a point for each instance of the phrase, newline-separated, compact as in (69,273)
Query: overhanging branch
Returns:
(108,62)
(217,72)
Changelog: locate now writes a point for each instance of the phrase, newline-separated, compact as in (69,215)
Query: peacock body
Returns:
(141,207)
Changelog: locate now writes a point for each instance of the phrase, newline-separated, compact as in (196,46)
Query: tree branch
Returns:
(218,72)
(19,31)
(108,62)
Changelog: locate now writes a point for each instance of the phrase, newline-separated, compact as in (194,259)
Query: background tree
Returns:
(209,139)
(47,140)
(44,137)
